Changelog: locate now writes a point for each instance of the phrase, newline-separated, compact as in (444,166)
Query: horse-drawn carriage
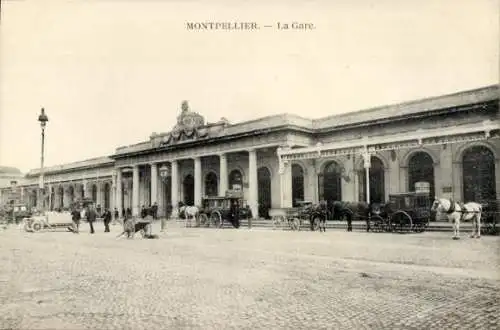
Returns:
(215,210)
(295,217)
(405,212)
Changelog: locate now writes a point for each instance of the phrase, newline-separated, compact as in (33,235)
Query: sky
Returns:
(111,72)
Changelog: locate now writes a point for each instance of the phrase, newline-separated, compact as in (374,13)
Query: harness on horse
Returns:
(452,207)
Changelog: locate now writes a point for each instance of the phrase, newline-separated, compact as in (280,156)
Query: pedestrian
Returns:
(75,216)
(144,212)
(349,222)
(107,219)
(117,215)
(91,217)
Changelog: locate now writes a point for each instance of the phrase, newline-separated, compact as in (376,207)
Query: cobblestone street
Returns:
(247,279)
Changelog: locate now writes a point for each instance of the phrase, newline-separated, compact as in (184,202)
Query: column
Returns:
(197,181)
(154,184)
(312,183)
(223,176)
(252,183)
(135,190)
(175,188)
(443,173)
(285,171)
(367,165)
(160,193)
(118,189)
(99,197)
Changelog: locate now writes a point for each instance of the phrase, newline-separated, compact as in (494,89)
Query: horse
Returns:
(188,212)
(318,213)
(457,212)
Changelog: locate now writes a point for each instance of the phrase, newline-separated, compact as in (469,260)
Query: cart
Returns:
(295,217)
(285,218)
(408,212)
(216,210)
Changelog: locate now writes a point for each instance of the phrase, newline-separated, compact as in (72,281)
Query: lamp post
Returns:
(164,174)
(43,119)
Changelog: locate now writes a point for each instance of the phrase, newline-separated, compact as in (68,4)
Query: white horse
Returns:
(189,212)
(457,212)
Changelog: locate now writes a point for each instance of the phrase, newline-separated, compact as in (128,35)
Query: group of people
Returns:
(90,213)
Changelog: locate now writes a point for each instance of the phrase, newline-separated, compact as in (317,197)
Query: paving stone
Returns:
(201,278)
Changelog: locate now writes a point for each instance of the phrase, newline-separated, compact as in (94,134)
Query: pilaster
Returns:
(223,175)
(118,190)
(252,183)
(175,188)
(154,184)
(285,172)
(197,181)
(135,190)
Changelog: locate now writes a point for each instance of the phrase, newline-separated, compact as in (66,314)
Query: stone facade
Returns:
(277,160)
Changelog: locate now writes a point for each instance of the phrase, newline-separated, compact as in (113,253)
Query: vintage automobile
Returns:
(215,210)
(52,220)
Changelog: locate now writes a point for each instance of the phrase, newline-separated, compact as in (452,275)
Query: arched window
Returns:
(235,180)
(478,175)
(264,191)
(377,182)
(297,184)
(421,169)
(211,184)
(329,183)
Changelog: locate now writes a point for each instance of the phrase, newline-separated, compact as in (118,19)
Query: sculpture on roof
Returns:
(190,125)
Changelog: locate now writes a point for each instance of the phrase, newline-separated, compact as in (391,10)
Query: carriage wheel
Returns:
(203,220)
(377,223)
(315,224)
(27,227)
(402,221)
(36,226)
(216,219)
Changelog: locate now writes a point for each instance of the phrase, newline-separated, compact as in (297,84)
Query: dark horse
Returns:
(350,211)
(317,215)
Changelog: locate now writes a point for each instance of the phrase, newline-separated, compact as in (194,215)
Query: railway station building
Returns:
(452,142)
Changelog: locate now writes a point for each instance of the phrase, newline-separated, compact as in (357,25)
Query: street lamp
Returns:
(43,119)
(164,174)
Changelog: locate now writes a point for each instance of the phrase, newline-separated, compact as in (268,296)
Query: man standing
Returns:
(75,215)
(107,219)
(91,217)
